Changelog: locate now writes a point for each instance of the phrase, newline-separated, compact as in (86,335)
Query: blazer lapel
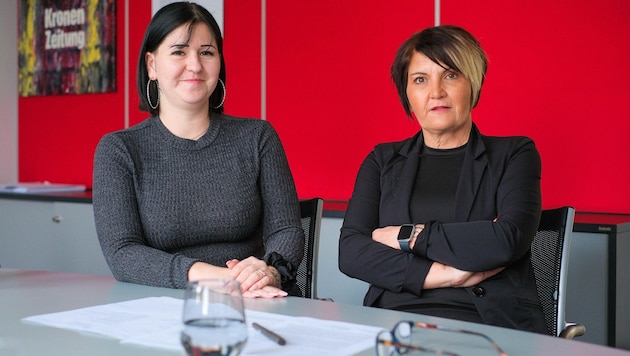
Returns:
(406,170)
(475,162)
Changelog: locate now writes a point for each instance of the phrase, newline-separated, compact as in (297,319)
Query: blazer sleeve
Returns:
(361,257)
(510,193)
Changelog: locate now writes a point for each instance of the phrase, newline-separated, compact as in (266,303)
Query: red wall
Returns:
(557,73)
(330,96)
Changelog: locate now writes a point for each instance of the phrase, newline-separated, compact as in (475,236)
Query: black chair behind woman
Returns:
(311,216)
(550,258)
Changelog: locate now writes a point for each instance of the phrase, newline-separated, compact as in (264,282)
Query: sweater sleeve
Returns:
(118,223)
(282,229)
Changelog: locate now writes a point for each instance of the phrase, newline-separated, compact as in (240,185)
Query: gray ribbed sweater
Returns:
(162,203)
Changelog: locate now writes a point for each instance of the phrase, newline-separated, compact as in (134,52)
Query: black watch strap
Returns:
(404,245)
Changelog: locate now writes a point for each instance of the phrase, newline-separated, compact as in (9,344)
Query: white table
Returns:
(25,293)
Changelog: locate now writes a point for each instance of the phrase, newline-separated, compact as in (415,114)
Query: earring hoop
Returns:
(157,88)
(223,97)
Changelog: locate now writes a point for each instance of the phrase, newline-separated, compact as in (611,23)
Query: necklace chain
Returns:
(199,136)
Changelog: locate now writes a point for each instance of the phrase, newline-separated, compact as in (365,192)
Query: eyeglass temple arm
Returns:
(416,348)
(448,328)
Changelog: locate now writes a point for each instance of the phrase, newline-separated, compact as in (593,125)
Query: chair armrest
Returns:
(572,330)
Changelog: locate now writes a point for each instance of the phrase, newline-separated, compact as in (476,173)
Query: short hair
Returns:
(450,47)
(165,20)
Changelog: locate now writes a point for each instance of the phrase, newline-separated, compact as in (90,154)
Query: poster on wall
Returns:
(66,47)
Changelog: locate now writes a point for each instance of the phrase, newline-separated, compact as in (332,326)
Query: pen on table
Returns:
(270,334)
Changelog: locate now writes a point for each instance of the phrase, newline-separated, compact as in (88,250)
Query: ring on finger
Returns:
(262,273)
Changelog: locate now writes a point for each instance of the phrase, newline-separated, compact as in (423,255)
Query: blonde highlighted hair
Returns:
(450,47)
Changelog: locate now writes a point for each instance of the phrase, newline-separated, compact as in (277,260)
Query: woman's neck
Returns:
(189,125)
(446,140)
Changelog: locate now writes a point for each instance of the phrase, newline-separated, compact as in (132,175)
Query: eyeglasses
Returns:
(410,338)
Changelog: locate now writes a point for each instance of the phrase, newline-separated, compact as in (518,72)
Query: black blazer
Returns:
(500,179)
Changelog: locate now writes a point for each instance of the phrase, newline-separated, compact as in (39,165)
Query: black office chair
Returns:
(550,258)
(311,212)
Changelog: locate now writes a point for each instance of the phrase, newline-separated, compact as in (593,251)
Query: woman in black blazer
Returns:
(441,223)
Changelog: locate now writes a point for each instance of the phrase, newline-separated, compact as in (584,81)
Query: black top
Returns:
(433,198)
(496,214)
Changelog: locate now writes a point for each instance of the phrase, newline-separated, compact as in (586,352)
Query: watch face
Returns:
(406,232)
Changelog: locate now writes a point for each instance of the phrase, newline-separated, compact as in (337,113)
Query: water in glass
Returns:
(214,320)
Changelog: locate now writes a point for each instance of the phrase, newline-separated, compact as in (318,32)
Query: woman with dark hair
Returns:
(191,193)
(441,223)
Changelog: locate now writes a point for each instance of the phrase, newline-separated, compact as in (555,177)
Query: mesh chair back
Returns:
(550,258)
(311,212)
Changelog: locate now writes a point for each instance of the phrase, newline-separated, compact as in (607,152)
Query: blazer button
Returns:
(479,291)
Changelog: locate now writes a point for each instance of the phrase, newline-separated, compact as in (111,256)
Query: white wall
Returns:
(8,91)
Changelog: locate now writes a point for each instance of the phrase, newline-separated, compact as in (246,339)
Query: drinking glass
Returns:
(214,318)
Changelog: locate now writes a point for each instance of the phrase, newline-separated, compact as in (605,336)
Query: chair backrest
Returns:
(311,212)
(550,259)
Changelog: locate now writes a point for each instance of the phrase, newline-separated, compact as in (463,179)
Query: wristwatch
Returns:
(405,235)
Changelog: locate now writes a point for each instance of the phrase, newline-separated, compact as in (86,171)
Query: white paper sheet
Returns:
(156,322)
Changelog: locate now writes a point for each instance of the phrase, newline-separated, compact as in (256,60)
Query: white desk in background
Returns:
(25,293)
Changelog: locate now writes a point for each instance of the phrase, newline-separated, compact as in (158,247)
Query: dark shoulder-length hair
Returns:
(448,46)
(162,24)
